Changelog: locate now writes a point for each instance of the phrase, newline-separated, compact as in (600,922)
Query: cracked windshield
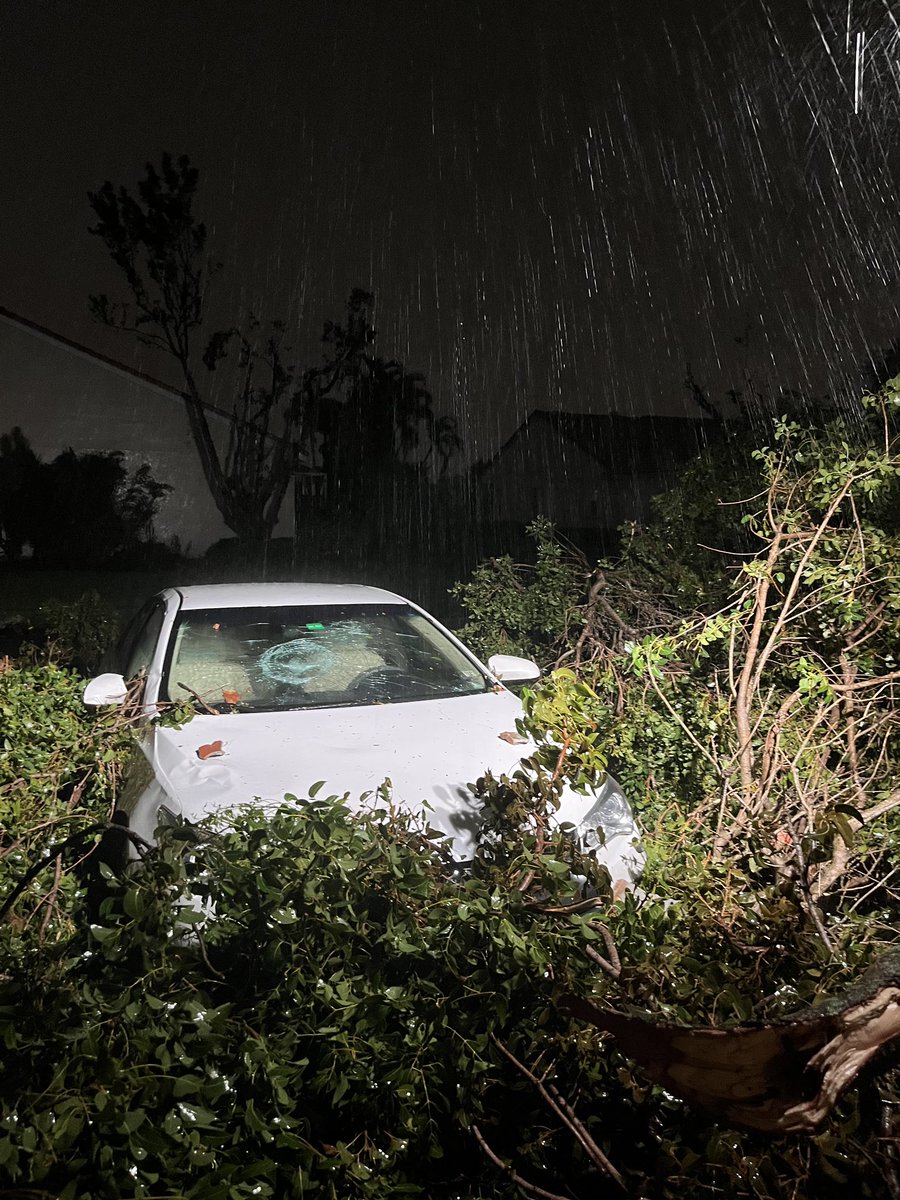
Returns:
(270,659)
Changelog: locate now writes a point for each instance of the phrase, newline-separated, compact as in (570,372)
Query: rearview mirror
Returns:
(509,668)
(105,689)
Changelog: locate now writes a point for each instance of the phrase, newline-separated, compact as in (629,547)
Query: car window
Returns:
(141,637)
(278,658)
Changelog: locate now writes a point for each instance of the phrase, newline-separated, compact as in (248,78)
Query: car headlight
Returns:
(610,817)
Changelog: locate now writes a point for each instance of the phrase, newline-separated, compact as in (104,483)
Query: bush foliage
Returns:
(351,1023)
(516,608)
(58,768)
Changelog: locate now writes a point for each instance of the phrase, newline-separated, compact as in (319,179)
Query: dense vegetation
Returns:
(750,680)
(79,510)
(356,1022)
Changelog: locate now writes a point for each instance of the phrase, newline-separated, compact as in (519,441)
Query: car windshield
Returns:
(270,659)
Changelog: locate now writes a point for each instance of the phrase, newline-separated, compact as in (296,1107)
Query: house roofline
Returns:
(12,318)
(549,413)
(487,462)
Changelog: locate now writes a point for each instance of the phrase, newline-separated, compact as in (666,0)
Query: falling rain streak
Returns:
(556,206)
(658,192)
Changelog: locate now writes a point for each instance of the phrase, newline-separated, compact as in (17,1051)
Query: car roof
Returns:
(273,595)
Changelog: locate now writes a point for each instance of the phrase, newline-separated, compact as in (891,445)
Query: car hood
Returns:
(429,750)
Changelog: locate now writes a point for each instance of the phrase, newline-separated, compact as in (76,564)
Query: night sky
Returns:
(557,204)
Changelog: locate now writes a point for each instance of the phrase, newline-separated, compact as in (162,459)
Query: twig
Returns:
(565,1114)
(812,909)
(539,820)
(858,635)
(567,909)
(797,577)
(55,851)
(51,855)
(744,688)
(848,673)
(892,800)
(872,887)
(201,942)
(531,1188)
(770,752)
(862,684)
(612,966)
(212,711)
(50,899)
(679,720)
(596,588)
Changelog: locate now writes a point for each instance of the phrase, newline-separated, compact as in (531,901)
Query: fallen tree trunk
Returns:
(783,1077)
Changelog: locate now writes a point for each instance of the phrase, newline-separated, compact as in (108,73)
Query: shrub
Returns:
(58,767)
(355,1023)
(79,632)
(518,608)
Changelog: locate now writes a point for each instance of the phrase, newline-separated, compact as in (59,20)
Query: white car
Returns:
(296,683)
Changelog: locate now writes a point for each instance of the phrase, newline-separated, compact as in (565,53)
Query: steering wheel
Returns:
(381,681)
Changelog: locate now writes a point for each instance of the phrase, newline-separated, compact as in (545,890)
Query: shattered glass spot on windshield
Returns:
(298,661)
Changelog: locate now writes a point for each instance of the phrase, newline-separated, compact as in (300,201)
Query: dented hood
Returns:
(430,750)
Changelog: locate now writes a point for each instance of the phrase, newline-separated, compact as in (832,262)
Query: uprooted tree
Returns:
(356,1021)
(756,683)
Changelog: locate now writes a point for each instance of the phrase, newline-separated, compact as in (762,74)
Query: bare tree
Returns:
(159,246)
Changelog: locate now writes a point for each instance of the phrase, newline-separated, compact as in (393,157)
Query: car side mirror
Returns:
(509,668)
(105,689)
